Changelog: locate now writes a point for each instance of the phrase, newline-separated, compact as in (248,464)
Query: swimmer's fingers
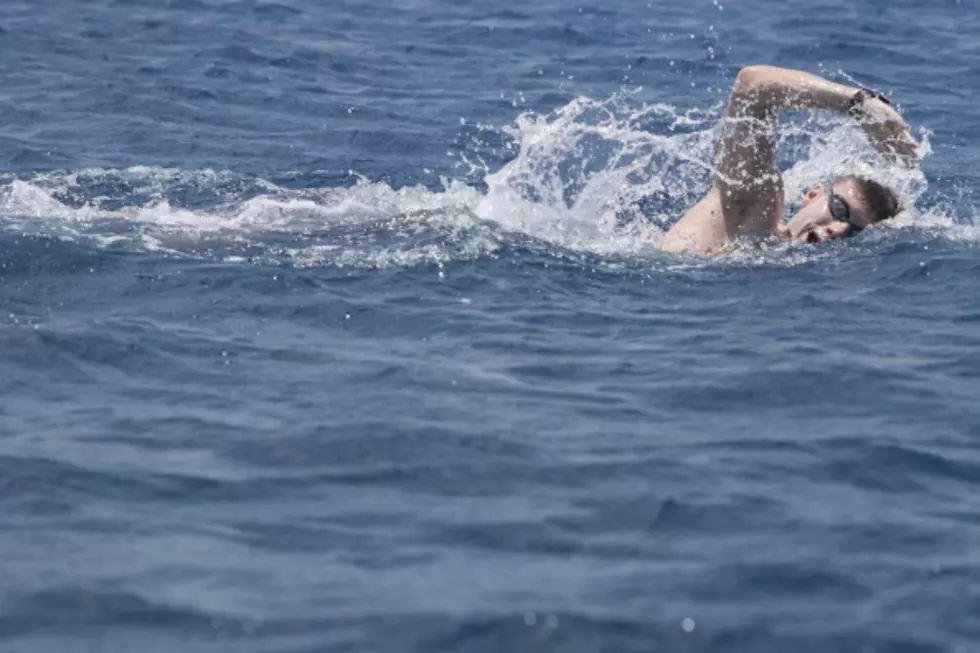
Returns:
(900,146)
(906,150)
(890,134)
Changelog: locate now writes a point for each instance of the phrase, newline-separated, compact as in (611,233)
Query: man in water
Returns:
(746,199)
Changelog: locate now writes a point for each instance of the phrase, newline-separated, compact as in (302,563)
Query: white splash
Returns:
(602,177)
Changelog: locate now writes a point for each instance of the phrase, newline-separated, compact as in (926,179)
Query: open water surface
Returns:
(339,326)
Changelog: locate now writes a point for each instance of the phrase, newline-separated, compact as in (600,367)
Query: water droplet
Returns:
(688,625)
(530,618)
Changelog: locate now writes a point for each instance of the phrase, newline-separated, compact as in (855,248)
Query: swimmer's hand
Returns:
(888,132)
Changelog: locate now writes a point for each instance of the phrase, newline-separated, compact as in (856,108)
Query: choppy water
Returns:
(340,326)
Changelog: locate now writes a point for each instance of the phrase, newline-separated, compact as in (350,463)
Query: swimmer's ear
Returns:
(813,193)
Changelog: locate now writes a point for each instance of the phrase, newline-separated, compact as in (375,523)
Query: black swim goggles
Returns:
(840,210)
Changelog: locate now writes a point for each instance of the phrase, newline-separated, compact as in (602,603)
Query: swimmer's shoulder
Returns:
(700,230)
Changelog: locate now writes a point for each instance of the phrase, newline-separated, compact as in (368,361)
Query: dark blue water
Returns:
(337,326)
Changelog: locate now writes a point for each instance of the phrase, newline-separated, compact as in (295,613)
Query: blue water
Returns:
(338,326)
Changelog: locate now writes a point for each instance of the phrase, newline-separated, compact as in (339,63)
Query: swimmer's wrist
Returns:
(855,106)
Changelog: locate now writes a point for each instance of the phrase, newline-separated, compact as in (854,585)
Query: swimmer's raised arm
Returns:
(747,196)
(747,176)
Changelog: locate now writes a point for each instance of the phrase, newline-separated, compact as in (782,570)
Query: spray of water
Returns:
(602,177)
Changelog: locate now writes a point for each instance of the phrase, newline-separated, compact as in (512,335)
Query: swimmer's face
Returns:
(827,213)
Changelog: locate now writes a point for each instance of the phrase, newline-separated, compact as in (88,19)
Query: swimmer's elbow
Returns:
(751,79)
(753,92)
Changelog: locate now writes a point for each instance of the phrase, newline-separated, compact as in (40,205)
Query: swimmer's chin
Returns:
(782,231)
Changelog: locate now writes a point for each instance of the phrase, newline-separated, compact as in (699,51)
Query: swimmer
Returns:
(746,199)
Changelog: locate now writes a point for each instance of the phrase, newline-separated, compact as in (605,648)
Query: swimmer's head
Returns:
(840,209)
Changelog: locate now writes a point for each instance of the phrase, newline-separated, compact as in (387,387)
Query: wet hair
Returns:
(880,200)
